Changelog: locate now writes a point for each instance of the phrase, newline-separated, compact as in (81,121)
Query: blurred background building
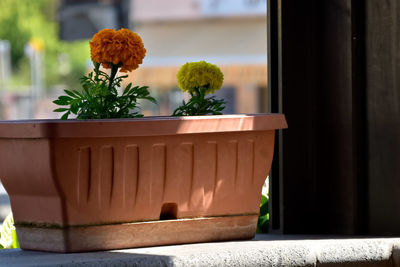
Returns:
(228,33)
(47,50)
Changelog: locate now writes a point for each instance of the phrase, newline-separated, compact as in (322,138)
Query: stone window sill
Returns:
(264,250)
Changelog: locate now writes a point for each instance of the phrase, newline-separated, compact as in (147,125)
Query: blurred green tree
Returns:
(24,20)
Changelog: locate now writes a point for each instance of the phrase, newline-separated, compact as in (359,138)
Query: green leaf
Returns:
(65,116)
(15,243)
(71,94)
(65,98)
(264,209)
(60,110)
(151,99)
(264,200)
(263,224)
(127,88)
(262,220)
(60,102)
(8,235)
(74,107)
(78,93)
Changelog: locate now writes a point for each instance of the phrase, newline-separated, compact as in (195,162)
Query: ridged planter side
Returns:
(70,185)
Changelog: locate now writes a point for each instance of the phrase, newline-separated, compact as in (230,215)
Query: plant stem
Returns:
(96,70)
(114,70)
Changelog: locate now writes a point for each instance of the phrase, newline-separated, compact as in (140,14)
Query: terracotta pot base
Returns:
(142,234)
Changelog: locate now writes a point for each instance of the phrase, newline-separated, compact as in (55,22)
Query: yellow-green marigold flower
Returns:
(199,74)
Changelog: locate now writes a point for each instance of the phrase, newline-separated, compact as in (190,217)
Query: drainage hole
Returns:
(169,211)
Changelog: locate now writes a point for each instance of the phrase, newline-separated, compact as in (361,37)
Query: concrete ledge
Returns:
(264,250)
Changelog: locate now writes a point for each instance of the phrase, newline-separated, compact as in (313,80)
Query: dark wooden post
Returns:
(383,103)
(337,80)
(320,81)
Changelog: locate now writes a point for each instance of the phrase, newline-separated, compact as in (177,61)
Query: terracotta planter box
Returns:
(109,184)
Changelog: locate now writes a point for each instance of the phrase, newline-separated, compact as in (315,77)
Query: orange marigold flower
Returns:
(123,48)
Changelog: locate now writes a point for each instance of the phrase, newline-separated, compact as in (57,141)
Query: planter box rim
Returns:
(146,126)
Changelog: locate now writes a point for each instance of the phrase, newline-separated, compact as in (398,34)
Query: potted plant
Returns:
(109,183)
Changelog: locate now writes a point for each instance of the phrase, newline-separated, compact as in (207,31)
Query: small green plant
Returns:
(100,100)
(263,219)
(199,104)
(8,235)
(200,79)
(121,50)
